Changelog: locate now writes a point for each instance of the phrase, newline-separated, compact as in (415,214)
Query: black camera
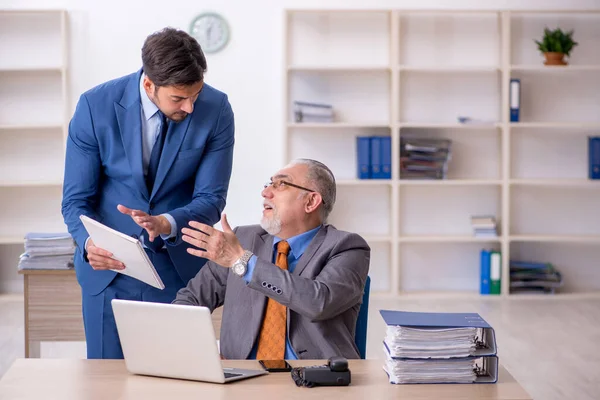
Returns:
(335,373)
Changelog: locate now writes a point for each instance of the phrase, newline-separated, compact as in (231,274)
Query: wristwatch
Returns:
(241,265)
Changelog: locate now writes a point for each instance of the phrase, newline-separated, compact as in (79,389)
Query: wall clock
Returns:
(211,31)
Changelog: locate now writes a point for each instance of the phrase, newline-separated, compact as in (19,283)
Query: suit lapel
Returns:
(175,136)
(311,250)
(130,127)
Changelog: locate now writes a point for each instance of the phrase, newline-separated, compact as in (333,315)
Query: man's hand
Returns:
(101,259)
(154,225)
(221,247)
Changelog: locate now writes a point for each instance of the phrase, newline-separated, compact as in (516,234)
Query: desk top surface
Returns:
(67,379)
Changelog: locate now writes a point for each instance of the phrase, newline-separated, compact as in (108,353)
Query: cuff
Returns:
(173,233)
(251,264)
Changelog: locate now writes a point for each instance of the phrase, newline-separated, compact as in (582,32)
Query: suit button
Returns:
(279,291)
(264,284)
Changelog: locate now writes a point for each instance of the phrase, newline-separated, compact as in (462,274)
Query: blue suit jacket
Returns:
(103,168)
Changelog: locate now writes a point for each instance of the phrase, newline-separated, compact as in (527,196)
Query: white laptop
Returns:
(172,341)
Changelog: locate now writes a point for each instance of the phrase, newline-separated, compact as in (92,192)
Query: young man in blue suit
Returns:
(146,154)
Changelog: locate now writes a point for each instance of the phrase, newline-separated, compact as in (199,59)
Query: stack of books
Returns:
(313,112)
(534,277)
(484,226)
(47,251)
(439,348)
(424,158)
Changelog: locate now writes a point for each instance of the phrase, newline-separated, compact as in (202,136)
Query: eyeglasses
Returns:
(279,183)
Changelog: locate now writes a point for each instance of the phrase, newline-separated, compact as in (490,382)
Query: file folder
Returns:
(486,345)
(376,158)
(515,99)
(485,272)
(495,272)
(363,157)
(594,157)
(386,157)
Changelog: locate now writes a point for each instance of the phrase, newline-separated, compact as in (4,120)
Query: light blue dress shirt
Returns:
(298,245)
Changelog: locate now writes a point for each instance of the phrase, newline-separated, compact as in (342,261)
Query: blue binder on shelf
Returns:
(386,157)
(376,166)
(485,265)
(363,157)
(486,346)
(594,157)
(515,99)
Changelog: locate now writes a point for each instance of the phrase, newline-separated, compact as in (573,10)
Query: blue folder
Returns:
(485,347)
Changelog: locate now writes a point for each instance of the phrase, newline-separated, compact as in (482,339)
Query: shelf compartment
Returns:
(577,262)
(448,267)
(448,39)
(31,157)
(332,144)
(356,97)
(331,38)
(31,209)
(441,211)
(443,97)
(31,41)
(533,211)
(17,104)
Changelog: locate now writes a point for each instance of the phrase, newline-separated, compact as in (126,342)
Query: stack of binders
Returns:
(313,112)
(47,251)
(439,348)
(422,158)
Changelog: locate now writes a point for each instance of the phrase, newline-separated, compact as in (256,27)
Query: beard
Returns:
(271,224)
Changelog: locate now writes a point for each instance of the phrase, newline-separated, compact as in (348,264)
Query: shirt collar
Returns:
(298,243)
(148,107)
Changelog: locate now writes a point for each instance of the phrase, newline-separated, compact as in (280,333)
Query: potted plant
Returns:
(555,45)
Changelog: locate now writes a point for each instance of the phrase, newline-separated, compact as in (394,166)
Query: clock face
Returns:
(211,31)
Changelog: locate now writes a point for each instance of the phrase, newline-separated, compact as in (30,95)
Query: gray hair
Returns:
(322,177)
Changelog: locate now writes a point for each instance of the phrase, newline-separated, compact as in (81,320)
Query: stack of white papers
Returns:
(47,251)
(428,371)
(408,342)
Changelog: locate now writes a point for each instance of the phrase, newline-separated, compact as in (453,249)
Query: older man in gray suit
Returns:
(290,288)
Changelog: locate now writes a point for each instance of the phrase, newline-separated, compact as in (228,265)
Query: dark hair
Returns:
(171,57)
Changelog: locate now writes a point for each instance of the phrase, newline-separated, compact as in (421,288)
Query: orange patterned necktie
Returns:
(271,341)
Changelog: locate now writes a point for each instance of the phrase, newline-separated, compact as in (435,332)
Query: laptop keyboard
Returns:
(231,375)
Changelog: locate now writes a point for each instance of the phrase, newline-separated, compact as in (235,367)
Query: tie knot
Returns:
(283,247)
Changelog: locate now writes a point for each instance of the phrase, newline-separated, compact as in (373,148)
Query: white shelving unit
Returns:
(395,73)
(33,126)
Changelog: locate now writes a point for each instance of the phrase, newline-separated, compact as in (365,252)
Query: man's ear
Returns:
(149,86)
(314,199)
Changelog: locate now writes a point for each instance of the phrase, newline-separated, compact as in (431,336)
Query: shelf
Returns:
(556,238)
(450,125)
(12,240)
(31,183)
(338,125)
(30,69)
(447,239)
(449,69)
(363,182)
(377,239)
(30,127)
(450,182)
(555,68)
(561,125)
(337,68)
(556,182)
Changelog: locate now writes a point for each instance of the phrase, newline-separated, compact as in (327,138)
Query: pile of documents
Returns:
(47,251)
(313,112)
(439,348)
(484,226)
(424,158)
(534,277)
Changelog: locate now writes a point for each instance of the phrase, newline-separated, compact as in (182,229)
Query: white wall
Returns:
(106,40)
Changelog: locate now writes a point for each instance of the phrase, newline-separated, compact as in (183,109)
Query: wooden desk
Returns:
(108,379)
(53,309)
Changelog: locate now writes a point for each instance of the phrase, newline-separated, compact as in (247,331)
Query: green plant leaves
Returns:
(556,41)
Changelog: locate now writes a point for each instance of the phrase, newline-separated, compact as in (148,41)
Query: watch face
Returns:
(211,31)
(239,269)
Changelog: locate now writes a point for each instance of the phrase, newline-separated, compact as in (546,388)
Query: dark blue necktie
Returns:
(158,243)
(156,152)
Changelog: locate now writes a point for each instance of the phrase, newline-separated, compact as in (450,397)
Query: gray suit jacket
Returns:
(323,295)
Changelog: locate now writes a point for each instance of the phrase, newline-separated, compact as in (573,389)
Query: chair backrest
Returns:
(360,337)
